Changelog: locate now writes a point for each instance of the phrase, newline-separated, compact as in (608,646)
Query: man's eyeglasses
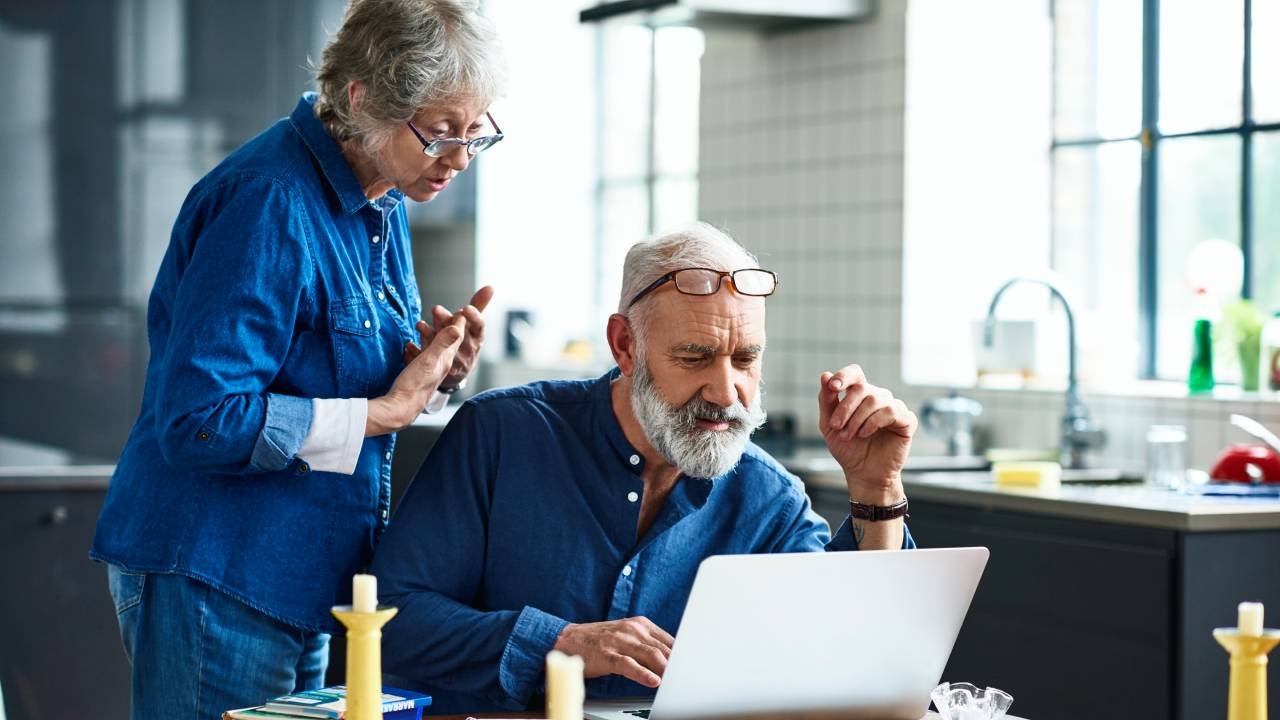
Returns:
(444,146)
(705,281)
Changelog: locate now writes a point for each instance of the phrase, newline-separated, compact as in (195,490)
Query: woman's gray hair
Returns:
(408,54)
(700,245)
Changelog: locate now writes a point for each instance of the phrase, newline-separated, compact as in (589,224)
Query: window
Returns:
(648,115)
(975,184)
(1166,134)
(602,148)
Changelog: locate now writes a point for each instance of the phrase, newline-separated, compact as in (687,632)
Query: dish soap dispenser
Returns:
(1200,378)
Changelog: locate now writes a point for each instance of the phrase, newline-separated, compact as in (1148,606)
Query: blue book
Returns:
(331,704)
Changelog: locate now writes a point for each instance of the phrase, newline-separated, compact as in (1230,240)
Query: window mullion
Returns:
(651,168)
(1246,159)
(1147,250)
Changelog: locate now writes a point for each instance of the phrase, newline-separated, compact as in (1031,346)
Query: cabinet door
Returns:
(60,650)
(1074,619)
(1219,570)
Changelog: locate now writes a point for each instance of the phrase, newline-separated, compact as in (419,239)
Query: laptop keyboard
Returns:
(638,713)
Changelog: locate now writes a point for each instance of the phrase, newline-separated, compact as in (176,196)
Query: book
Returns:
(331,704)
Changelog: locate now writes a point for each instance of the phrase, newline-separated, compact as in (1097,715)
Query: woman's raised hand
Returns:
(415,384)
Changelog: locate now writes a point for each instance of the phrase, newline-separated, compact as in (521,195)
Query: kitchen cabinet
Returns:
(60,650)
(1097,602)
(1074,619)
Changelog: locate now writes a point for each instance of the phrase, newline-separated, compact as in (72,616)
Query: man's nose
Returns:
(721,389)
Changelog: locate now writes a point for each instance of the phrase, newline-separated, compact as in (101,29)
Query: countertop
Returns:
(55,477)
(1120,503)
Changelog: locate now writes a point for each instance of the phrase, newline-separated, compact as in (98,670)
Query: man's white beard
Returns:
(674,432)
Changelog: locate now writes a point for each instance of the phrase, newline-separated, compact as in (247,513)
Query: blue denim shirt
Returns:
(282,282)
(523,519)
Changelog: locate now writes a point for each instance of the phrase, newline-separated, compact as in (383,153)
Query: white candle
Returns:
(565,690)
(1249,621)
(364,593)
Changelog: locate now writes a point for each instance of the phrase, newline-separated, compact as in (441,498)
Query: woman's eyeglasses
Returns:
(705,281)
(444,146)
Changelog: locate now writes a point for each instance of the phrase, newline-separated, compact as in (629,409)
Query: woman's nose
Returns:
(458,159)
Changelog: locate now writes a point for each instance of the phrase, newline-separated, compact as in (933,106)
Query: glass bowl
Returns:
(962,701)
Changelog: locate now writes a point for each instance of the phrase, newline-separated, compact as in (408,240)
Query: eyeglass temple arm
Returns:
(493,122)
(649,288)
(415,132)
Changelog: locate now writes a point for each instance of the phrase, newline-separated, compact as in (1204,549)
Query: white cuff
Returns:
(436,403)
(337,433)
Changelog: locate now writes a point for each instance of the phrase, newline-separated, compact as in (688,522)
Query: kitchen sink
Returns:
(1099,476)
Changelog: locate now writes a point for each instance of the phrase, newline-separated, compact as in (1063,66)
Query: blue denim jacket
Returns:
(282,282)
(523,519)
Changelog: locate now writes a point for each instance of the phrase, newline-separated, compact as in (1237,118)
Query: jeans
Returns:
(196,652)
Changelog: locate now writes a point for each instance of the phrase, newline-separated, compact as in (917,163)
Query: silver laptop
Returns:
(844,634)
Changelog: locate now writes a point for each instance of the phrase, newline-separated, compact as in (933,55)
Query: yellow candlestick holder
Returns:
(364,660)
(1247,691)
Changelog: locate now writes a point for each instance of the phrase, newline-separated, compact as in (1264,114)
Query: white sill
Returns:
(1165,389)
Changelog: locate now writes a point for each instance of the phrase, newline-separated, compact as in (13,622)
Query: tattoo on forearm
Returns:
(858,531)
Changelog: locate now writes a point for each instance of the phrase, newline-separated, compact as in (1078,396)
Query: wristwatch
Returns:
(451,390)
(875,513)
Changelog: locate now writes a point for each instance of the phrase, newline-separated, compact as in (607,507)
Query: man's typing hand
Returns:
(633,647)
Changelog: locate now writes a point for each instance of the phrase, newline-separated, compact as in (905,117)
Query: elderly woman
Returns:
(284,325)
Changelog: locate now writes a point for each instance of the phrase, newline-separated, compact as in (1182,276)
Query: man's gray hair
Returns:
(408,54)
(700,245)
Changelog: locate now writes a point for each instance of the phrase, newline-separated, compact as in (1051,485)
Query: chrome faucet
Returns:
(1079,432)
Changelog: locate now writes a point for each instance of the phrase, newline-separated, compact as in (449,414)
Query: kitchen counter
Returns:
(1120,503)
(1125,504)
(55,477)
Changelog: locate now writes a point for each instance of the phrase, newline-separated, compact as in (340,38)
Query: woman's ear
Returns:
(355,95)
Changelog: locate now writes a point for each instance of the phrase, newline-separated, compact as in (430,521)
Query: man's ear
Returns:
(622,343)
(355,95)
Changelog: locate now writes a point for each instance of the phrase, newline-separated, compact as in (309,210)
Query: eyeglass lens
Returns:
(436,148)
(696,281)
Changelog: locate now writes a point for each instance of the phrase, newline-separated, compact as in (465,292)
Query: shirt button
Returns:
(381,296)
(635,459)
(633,496)
(376,239)
(303,469)
(204,435)
(388,454)
(626,571)
(368,324)
(384,514)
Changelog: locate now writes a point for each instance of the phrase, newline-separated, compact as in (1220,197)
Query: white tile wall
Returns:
(801,160)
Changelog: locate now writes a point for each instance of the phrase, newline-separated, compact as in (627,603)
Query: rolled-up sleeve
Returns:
(843,538)
(533,636)
(239,292)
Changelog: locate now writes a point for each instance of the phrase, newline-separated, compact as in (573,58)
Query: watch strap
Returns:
(876,513)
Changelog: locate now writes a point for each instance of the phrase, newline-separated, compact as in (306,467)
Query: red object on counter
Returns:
(1234,463)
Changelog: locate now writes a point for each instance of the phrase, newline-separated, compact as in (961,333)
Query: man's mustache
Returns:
(697,408)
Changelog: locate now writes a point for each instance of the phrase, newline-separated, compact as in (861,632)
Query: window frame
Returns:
(1150,139)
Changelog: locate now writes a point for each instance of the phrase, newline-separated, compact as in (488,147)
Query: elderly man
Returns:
(573,515)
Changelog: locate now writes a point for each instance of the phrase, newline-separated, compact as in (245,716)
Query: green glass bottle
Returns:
(1200,378)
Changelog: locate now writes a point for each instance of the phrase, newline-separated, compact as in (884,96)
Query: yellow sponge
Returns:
(1027,474)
